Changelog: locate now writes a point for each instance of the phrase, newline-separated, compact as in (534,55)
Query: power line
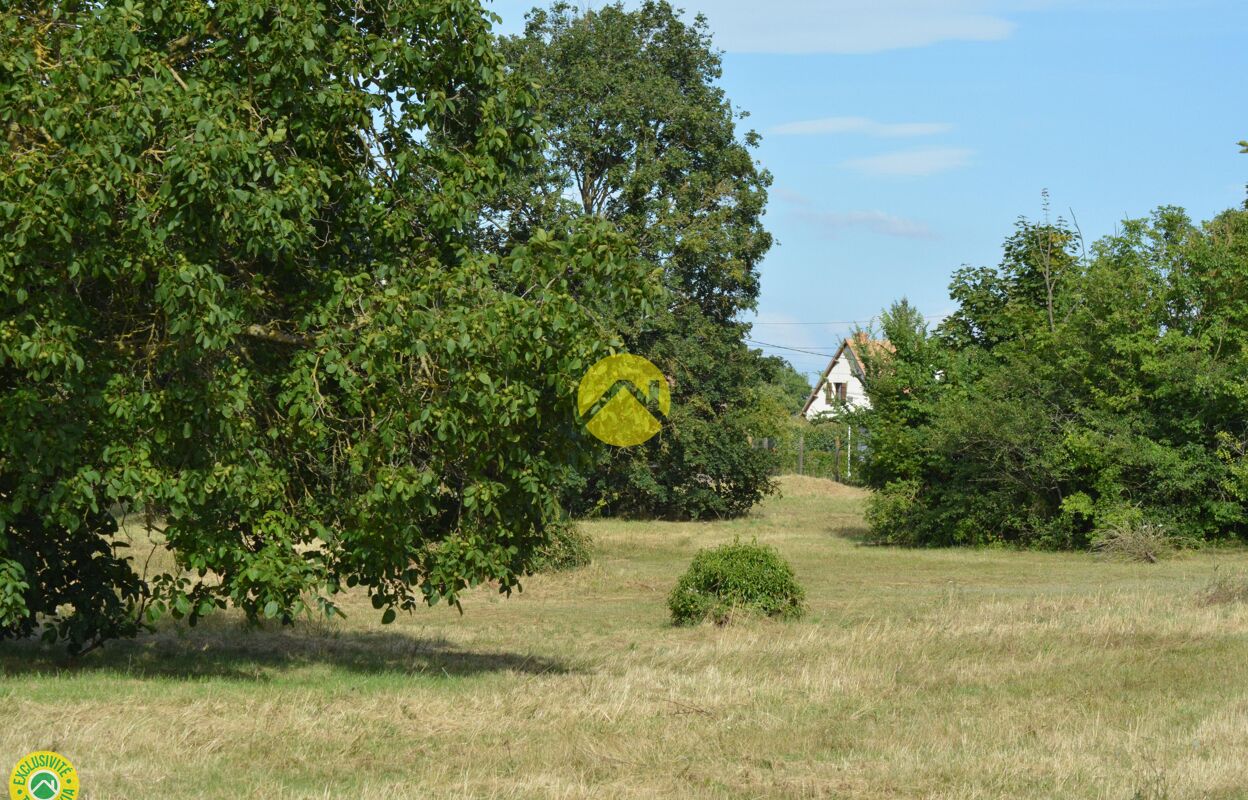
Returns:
(793,349)
(844,321)
(818,352)
(833,322)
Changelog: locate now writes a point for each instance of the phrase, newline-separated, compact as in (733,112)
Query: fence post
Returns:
(801,451)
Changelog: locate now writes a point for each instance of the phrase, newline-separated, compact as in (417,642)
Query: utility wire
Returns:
(832,322)
(793,349)
(821,347)
(811,346)
(844,321)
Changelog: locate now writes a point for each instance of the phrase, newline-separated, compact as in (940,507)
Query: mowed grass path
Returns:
(925,674)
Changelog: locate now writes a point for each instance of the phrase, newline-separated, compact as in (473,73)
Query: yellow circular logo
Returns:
(43,776)
(613,398)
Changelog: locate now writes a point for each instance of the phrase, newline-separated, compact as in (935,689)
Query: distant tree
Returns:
(787,382)
(639,134)
(241,306)
(1068,397)
(1243,148)
(901,384)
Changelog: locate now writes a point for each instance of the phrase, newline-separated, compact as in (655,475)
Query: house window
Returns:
(842,391)
(827,393)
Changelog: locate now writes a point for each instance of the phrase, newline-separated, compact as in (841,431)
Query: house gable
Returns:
(843,377)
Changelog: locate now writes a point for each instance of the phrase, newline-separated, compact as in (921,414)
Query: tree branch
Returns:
(280,337)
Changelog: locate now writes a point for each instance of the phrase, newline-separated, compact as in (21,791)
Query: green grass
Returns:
(932,674)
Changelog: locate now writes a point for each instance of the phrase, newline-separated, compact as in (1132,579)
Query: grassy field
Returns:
(934,674)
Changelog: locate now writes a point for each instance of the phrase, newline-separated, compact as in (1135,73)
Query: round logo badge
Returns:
(43,776)
(612,397)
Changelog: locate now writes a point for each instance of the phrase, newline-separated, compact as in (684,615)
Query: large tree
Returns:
(240,305)
(638,133)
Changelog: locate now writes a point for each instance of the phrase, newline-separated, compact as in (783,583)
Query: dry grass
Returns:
(916,674)
(1145,542)
(1225,588)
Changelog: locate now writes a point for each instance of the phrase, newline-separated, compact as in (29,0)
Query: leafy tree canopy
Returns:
(787,383)
(1071,394)
(241,303)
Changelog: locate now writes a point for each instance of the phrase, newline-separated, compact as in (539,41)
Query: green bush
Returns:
(736,577)
(892,513)
(568,547)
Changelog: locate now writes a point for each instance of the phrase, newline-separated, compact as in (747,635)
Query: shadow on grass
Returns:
(241,653)
(858,534)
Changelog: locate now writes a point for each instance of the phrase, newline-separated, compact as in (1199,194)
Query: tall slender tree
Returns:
(639,134)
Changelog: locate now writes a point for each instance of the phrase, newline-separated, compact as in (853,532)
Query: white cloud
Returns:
(921,161)
(853,26)
(867,127)
(789,196)
(832,223)
(840,26)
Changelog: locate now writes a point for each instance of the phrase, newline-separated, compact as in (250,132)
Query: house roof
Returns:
(851,349)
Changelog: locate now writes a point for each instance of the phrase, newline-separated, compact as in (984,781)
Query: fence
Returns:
(824,449)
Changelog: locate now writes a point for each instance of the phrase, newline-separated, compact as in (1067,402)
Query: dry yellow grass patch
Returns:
(917,674)
(806,486)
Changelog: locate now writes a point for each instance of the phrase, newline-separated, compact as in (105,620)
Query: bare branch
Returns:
(280,337)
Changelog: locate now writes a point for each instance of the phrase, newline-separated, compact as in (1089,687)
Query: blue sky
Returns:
(907,136)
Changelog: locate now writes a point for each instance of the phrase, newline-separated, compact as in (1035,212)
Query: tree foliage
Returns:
(638,134)
(241,303)
(788,386)
(1072,395)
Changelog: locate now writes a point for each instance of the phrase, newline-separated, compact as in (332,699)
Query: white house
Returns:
(841,382)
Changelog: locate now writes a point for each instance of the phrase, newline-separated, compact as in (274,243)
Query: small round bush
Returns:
(568,547)
(733,578)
